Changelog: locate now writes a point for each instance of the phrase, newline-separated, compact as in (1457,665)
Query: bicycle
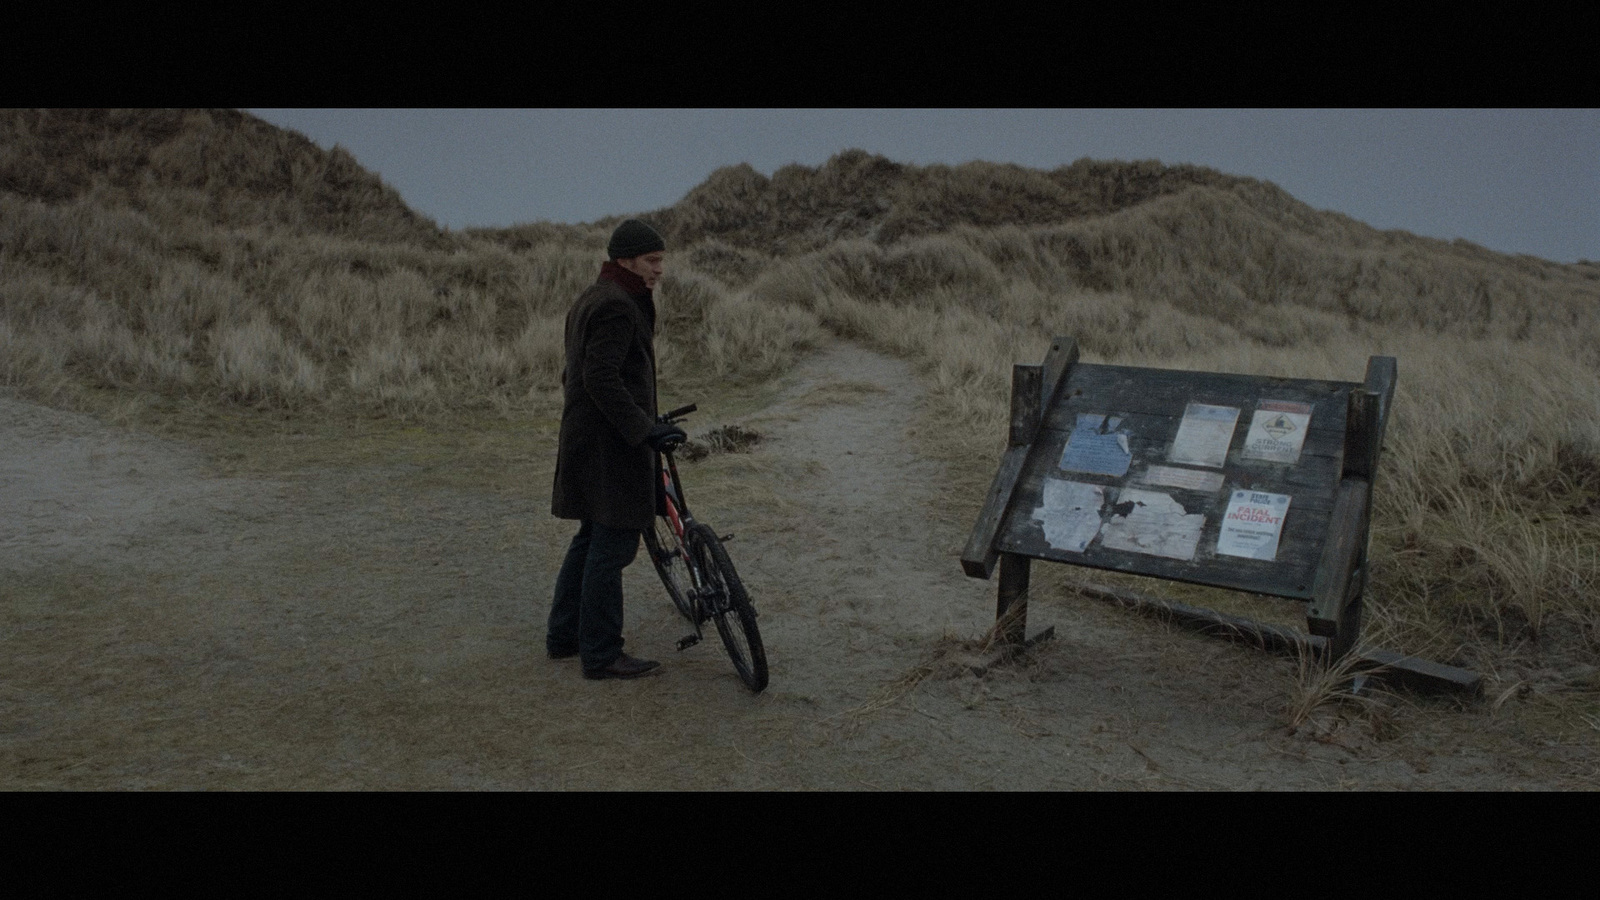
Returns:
(699,576)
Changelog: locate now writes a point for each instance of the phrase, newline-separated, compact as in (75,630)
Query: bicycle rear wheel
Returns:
(672,564)
(730,606)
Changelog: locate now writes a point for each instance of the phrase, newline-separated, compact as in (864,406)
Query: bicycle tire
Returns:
(672,564)
(731,607)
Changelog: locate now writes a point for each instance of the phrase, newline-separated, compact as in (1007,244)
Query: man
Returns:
(606,464)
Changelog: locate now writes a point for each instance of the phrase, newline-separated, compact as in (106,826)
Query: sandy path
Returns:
(361,628)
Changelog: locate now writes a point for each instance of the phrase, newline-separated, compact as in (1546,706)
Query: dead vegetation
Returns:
(183,264)
(722,439)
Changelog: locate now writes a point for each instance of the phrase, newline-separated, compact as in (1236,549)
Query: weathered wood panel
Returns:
(1343,550)
(979,557)
(1253,483)
(1145,408)
(1166,391)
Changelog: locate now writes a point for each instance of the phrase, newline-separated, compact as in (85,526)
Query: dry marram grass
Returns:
(205,259)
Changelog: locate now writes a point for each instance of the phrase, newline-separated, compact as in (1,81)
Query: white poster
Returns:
(1204,435)
(1070,513)
(1278,431)
(1152,522)
(1252,525)
(1188,479)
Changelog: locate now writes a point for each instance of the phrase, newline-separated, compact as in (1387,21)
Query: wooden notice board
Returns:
(1252,483)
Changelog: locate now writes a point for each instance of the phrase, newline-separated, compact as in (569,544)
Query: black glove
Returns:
(661,436)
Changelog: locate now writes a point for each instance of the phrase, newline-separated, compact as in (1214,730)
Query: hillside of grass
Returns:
(208,261)
(216,167)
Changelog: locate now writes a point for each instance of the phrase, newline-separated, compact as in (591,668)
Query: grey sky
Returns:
(1517,181)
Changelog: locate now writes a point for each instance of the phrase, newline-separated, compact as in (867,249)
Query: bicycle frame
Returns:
(677,510)
(680,520)
(713,590)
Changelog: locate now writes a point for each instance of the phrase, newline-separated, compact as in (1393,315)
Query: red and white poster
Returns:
(1253,523)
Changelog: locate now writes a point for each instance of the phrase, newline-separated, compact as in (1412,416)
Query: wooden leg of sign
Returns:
(1344,640)
(1011,608)
(1347,631)
(1341,573)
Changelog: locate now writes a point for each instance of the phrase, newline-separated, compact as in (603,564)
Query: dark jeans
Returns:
(587,610)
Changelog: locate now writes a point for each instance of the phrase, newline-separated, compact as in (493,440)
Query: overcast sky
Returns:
(1517,181)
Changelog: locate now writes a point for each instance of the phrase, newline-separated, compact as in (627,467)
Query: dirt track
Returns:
(378,627)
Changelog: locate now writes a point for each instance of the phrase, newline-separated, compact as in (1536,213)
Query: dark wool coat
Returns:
(604,470)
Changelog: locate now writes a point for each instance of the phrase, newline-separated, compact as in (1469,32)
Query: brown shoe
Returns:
(624,666)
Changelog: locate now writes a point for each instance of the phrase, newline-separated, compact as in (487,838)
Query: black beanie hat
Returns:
(634,238)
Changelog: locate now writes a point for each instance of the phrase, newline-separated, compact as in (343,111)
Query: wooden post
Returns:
(1058,362)
(1026,382)
(1011,606)
(1339,588)
(1011,603)
(1033,389)
(1335,608)
(1362,434)
(1347,630)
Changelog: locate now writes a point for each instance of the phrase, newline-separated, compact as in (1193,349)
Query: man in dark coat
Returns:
(606,465)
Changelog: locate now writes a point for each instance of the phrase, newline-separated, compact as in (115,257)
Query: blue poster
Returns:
(1096,446)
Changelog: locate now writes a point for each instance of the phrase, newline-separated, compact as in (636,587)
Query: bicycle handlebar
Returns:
(680,412)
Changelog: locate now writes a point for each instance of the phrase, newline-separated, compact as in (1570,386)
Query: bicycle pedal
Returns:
(688,641)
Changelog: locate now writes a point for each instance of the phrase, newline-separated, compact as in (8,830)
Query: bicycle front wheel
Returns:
(730,606)
(672,564)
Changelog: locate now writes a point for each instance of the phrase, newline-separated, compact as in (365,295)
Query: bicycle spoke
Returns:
(735,617)
(667,554)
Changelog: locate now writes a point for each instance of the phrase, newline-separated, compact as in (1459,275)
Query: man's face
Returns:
(647,267)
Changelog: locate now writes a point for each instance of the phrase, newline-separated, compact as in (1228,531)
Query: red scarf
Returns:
(627,280)
(634,285)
